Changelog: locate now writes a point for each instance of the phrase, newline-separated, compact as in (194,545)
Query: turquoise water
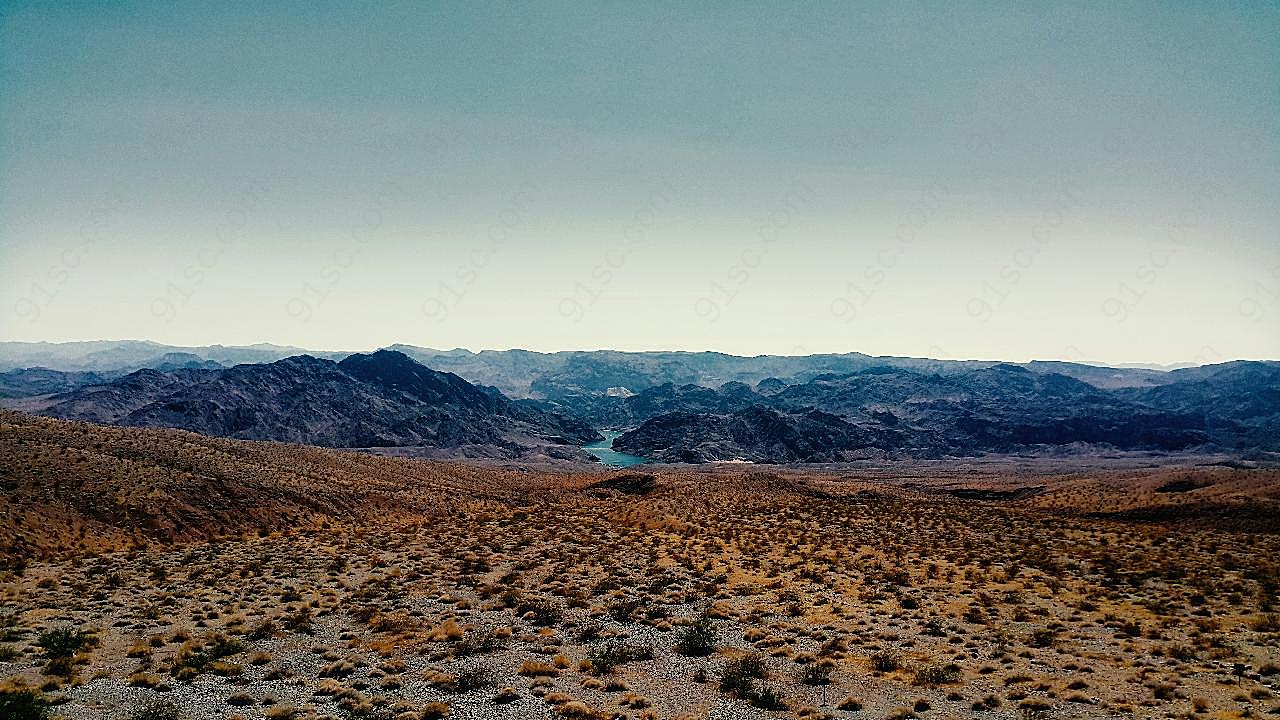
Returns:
(604,450)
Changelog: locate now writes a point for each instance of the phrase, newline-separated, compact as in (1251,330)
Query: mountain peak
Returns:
(393,370)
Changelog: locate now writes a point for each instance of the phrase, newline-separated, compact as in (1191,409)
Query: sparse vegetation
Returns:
(403,582)
(606,657)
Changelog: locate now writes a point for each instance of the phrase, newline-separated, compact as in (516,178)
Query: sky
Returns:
(954,180)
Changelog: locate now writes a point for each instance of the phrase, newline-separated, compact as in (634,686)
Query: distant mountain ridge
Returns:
(1003,408)
(123,356)
(549,376)
(380,400)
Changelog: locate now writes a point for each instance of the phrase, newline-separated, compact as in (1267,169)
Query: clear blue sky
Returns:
(947,179)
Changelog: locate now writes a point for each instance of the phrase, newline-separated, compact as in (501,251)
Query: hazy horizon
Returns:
(962,181)
(1208,355)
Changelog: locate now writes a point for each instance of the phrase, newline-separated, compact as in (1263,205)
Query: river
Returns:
(610,457)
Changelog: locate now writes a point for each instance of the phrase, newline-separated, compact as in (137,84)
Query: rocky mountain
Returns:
(1236,402)
(183,361)
(380,400)
(1000,408)
(759,434)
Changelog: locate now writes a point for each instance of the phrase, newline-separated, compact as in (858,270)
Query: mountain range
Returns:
(673,406)
(122,356)
(888,411)
(551,376)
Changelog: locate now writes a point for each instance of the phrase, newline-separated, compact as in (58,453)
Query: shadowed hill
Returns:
(367,401)
(1003,408)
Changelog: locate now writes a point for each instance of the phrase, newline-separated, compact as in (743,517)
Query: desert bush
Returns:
(750,664)
(735,683)
(578,710)
(739,675)
(143,679)
(816,674)
(1042,638)
(506,695)
(62,642)
(390,622)
(739,679)
(604,658)
(262,630)
(471,678)
(697,639)
(989,702)
(433,711)
(543,613)
(886,661)
(934,674)
(193,659)
(767,698)
(337,669)
(23,704)
(225,669)
(60,646)
(621,610)
(1181,653)
(479,643)
(1031,713)
(533,668)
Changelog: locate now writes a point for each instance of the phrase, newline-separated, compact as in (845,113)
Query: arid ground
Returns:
(155,574)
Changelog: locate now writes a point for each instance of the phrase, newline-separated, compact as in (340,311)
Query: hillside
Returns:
(74,487)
